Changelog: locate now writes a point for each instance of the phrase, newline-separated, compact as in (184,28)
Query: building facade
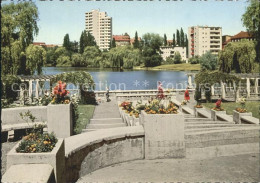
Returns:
(169,51)
(122,40)
(99,24)
(238,37)
(203,39)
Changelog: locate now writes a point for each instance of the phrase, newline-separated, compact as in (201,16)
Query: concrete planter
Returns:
(55,158)
(164,135)
(135,121)
(60,120)
(214,114)
(237,116)
(196,111)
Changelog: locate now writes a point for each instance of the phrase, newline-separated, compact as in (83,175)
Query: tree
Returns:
(35,59)
(66,42)
(81,43)
(251,20)
(18,26)
(208,61)
(177,58)
(91,57)
(178,38)
(153,41)
(113,43)
(186,44)
(182,41)
(76,60)
(136,43)
(238,57)
(86,39)
(90,40)
(165,40)
(174,40)
(74,46)
(50,56)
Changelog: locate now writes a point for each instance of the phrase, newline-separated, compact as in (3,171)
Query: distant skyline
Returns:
(57,18)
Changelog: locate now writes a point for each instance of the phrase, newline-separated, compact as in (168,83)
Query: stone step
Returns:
(104,126)
(106,120)
(209,122)
(189,116)
(197,119)
(88,130)
(199,139)
(190,126)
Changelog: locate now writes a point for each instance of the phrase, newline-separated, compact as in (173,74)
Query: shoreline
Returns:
(166,67)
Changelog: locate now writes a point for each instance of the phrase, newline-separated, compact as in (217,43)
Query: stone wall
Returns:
(94,150)
(12,115)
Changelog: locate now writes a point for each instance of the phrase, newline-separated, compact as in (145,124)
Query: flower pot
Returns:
(60,120)
(136,121)
(56,158)
(237,116)
(214,114)
(164,135)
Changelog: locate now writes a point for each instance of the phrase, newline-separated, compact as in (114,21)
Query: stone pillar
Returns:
(22,95)
(190,80)
(30,90)
(236,90)
(223,92)
(212,90)
(256,85)
(248,87)
(37,89)
(164,135)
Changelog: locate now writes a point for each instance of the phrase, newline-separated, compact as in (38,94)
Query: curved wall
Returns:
(90,151)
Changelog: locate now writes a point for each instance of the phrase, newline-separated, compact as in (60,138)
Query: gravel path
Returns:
(6,147)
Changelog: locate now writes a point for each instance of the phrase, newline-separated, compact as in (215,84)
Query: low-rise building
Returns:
(122,40)
(238,37)
(169,51)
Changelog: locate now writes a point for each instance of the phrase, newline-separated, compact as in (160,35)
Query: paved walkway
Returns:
(240,168)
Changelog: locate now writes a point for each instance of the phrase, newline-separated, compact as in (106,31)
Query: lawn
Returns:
(85,114)
(174,67)
(230,106)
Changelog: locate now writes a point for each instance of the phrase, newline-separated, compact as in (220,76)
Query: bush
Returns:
(8,92)
(36,142)
(194,60)
(177,58)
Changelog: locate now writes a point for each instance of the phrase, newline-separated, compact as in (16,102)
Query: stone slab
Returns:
(40,173)
(60,120)
(12,115)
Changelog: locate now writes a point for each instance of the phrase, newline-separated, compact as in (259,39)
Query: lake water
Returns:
(128,80)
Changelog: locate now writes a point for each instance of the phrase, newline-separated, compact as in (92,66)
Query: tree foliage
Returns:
(35,59)
(165,40)
(86,39)
(177,58)
(136,43)
(91,56)
(251,20)
(238,57)
(153,41)
(18,27)
(208,61)
(178,38)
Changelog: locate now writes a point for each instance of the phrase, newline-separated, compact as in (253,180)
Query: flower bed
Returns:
(36,142)
(156,108)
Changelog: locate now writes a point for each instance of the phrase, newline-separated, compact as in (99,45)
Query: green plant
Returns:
(36,142)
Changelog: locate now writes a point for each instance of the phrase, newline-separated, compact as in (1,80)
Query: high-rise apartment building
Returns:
(203,39)
(100,26)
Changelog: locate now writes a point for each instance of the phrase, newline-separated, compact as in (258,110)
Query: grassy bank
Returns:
(173,67)
(85,114)
(230,106)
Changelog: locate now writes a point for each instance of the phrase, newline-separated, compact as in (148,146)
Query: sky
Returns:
(57,18)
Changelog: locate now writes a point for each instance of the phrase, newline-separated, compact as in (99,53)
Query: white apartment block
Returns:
(203,39)
(169,51)
(100,26)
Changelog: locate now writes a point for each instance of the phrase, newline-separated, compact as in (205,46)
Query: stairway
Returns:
(106,115)
(207,138)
